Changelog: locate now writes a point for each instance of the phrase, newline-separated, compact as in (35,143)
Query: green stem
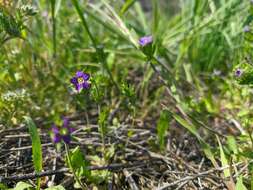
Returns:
(250,136)
(99,49)
(99,109)
(38,184)
(84,187)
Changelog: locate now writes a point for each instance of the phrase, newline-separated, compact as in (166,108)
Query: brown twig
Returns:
(112,167)
(194,176)
(130,180)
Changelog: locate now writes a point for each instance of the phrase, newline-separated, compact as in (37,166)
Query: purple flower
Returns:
(238,72)
(246,29)
(63,132)
(81,80)
(146,40)
(56,134)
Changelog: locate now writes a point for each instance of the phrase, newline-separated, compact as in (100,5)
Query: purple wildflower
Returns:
(146,40)
(56,134)
(246,29)
(238,72)
(81,80)
(63,132)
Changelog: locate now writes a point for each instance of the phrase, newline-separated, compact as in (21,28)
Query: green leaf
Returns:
(109,152)
(251,183)
(162,127)
(247,154)
(232,144)
(36,146)
(79,163)
(224,161)
(208,152)
(23,186)
(3,187)
(239,184)
(58,187)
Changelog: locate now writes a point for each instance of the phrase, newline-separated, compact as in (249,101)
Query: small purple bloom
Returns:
(56,134)
(65,122)
(146,40)
(246,29)
(81,80)
(63,132)
(238,72)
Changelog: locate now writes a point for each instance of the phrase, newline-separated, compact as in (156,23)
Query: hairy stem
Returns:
(83,186)
(99,49)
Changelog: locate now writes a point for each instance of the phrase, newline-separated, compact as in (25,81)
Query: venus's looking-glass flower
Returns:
(63,132)
(146,40)
(238,72)
(81,80)
(246,29)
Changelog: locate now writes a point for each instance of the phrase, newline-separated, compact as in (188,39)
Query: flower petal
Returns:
(56,138)
(79,74)
(79,87)
(86,85)
(55,129)
(66,138)
(145,40)
(74,80)
(86,76)
(65,122)
(71,129)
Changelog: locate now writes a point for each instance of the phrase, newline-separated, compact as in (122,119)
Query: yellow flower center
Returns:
(80,80)
(64,131)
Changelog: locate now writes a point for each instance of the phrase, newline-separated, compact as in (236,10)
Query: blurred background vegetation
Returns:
(200,41)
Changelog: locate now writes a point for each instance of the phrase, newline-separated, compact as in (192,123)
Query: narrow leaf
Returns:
(162,127)
(224,161)
(36,146)
(239,184)
(193,129)
(231,141)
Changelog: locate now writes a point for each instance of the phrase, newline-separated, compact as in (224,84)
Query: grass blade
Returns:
(126,6)
(193,130)
(224,161)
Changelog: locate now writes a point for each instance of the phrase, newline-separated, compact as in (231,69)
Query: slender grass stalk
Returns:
(53,26)
(128,4)
(99,49)
(82,185)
